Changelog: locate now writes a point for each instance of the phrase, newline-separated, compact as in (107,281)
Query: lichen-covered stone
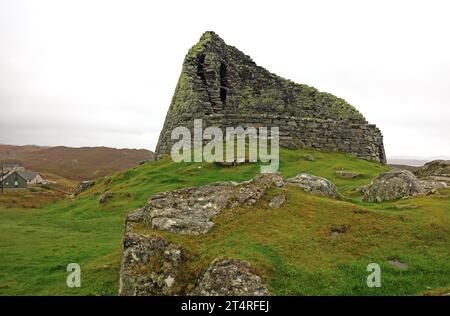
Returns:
(315,185)
(435,175)
(153,265)
(83,186)
(277,201)
(190,211)
(308,157)
(224,87)
(440,168)
(229,277)
(392,186)
(150,265)
(106,197)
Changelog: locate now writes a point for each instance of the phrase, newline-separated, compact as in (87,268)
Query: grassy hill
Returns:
(74,163)
(291,247)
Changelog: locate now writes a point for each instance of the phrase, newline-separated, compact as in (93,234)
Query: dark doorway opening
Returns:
(223,83)
(200,72)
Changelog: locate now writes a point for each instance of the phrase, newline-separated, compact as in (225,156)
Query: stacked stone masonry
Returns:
(225,88)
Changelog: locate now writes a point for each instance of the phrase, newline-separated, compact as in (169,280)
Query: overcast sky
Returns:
(102,73)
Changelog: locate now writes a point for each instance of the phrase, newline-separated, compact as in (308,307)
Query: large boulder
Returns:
(392,186)
(229,277)
(315,185)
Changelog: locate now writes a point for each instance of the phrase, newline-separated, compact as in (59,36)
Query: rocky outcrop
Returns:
(153,265)
(225,88)
(83,186)
(229,277)
(392,186)
(431,184)
(315,185)
(435,175)
(437,168)
(190,211)
(150,265)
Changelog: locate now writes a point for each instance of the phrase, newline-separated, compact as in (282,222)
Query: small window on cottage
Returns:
(16,183)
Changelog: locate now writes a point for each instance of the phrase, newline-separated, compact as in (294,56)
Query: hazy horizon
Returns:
(102,73)
(413,160)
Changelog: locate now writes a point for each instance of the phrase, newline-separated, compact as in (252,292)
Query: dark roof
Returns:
(28,175)
(6,175)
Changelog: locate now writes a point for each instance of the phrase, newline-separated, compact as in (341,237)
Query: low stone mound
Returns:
(315,185)
(347,174)
(229,277)
(439,168)
(393,185)
(189,211)
(435,175)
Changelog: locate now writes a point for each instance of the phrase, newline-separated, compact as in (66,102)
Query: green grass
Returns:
(290,247)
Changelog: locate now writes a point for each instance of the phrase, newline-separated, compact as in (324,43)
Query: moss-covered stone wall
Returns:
(224,87)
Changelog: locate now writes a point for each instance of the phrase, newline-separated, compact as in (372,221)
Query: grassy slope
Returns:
(290,247)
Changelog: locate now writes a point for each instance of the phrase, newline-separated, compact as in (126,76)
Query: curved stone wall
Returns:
(224,87)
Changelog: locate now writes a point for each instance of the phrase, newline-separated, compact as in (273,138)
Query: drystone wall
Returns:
(225,88)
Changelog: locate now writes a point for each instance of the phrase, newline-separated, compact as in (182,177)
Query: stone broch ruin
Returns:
(224,87)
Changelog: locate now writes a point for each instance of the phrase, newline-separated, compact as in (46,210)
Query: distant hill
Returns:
(74,163)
